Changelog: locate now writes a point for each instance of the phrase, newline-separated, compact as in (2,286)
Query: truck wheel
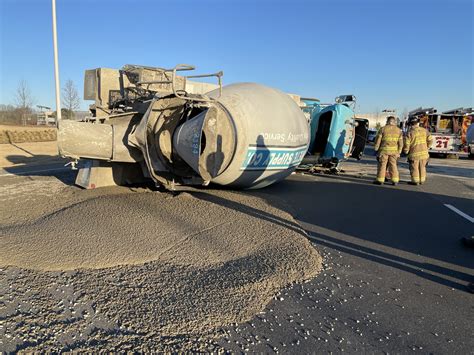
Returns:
(452,156)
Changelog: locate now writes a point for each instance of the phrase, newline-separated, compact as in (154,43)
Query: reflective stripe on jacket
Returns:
(417,143)
(389,140)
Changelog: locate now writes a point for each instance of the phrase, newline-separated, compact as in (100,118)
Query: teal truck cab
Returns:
(335,133)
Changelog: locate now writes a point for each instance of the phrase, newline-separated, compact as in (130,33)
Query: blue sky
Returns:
(390,54)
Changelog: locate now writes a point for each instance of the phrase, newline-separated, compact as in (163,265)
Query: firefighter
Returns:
(388,145)
(417,143)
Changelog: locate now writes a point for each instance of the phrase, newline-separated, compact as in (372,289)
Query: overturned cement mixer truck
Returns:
(151,123)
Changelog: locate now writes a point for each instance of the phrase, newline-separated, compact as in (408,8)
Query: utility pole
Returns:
(56,65)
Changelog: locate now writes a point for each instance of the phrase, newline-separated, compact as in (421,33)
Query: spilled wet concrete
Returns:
(127,270)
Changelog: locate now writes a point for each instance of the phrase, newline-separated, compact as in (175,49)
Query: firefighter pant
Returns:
(418,170)
(389,161)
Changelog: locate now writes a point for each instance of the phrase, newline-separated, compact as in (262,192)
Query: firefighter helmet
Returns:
(413,120)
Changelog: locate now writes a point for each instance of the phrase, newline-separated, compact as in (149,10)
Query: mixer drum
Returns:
(252,136)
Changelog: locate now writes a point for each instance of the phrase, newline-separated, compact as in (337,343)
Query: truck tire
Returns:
(452,156)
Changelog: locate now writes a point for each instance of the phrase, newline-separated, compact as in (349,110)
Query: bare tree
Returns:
(70,99)
(8,107)
(23,97)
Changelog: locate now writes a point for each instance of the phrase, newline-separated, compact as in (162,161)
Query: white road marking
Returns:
(461,213)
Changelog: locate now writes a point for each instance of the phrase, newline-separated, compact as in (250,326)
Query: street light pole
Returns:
(56,65)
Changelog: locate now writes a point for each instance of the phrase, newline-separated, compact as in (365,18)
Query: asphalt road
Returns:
(50,168)
(395,270)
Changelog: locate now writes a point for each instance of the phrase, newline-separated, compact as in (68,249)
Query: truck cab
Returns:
(332,130)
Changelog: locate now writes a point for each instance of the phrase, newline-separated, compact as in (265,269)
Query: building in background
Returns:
(379,117)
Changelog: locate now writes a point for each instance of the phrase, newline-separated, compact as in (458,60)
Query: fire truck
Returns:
(448,129)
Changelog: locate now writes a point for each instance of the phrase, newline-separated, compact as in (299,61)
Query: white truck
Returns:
(448,130)
(470,140)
